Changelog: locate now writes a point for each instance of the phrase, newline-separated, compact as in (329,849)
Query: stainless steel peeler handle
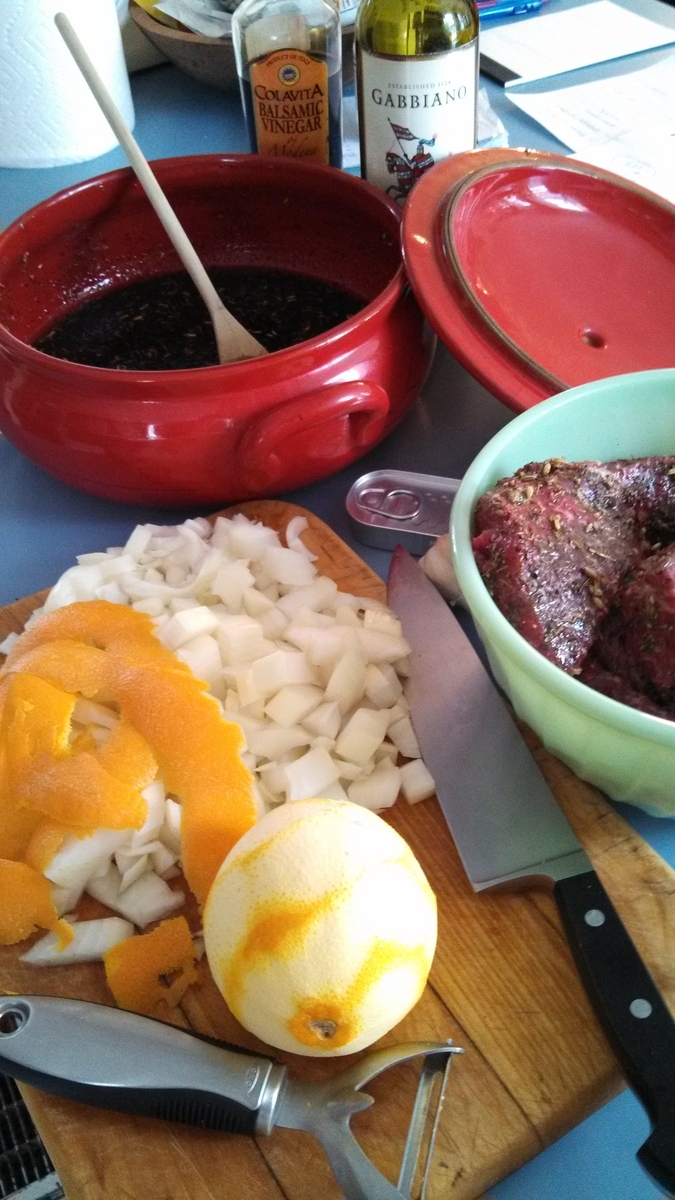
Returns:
(115,1059)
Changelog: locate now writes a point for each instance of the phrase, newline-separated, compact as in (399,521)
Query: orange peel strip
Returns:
(35,719)
(78,791)
(47,839)
(198,752)
(27,904)
(96,622)
(67,664)
(133,967)
(199,758)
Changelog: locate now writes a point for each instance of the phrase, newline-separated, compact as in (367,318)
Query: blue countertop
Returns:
(44,524)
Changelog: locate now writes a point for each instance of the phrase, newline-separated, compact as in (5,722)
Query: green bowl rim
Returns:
(556,681)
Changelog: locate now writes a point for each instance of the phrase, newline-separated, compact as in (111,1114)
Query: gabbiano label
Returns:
(415,112)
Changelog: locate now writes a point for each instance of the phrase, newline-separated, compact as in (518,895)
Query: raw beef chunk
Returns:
(571,553)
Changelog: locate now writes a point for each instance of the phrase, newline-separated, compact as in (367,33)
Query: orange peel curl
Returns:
(134,967)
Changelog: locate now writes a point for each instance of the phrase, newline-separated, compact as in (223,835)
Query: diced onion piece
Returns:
(138,867)
(112,592)
(317,596)
(91,939)
(9,643)
(153,606)
(170,831)
(138,541)
(240,639)
(382,647)
(202,656)
(416,782)
(106,888)
(344,615)
(255,604)
(277,670)
(325,720)
(293,703)
(379,790)
(250,539)
(65,899)
(387,750)
(79,859)
(86,712)
(383,622)
(231,581)
(306,777)
(153,795)
(347,681)
(398,711)
(383,686)
(186,625)
(295,527)
(402,735)
(362,735)
(333,791)
(148,899)
(288,567)
(273,742)
(162,859)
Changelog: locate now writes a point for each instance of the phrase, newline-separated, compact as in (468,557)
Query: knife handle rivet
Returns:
(594,917)
(641,1009)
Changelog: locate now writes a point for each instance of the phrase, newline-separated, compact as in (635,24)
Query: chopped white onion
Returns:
(91,940)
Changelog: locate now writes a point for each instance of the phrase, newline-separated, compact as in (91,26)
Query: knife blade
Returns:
(510,832)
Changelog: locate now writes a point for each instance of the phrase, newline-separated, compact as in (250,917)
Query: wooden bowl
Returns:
(211,60)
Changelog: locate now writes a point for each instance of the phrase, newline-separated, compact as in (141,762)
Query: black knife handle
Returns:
(633,1015)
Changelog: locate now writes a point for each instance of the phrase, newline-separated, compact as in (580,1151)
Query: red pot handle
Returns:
(292,429)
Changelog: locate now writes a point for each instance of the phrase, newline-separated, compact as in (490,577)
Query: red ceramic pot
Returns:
(221,433)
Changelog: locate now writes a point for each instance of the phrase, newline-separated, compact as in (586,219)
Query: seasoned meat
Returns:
(648,616)
(571,553)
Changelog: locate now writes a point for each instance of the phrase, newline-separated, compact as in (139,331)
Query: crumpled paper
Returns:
(212,18)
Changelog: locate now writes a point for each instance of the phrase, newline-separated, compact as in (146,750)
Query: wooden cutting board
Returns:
(503,986)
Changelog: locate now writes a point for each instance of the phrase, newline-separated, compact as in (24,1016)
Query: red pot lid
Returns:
(540,273)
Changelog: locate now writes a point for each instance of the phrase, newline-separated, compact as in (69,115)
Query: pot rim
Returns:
(46,364)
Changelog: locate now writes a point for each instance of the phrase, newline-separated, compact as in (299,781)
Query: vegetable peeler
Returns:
(142,1066)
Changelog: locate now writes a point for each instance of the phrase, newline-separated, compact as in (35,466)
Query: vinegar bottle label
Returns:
(413,113)
(289,95)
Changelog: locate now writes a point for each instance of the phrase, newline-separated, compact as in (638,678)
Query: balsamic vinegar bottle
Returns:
(417,73)
(289,62)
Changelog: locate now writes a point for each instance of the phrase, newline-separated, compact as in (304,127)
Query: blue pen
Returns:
(508,8)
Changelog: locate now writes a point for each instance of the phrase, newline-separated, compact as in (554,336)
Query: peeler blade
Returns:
(324,1110)
(434,1077)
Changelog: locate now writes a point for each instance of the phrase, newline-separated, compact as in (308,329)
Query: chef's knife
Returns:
(510,832)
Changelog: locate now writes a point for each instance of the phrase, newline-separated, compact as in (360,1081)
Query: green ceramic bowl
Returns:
(629,754)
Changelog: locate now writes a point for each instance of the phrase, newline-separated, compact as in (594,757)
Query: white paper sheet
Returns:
(625,124)
(556,42)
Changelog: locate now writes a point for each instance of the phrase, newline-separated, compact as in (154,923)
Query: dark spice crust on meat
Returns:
(573,555)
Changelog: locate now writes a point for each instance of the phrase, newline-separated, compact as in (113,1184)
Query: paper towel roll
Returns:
(48,116)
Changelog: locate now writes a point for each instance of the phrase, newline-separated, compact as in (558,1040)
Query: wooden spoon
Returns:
(233,341)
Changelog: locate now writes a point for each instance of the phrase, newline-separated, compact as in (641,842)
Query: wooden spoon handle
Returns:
(233,340)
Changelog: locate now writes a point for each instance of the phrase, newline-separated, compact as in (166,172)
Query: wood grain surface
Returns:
(502,985)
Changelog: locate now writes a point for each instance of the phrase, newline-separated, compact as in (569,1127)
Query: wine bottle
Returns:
(289,62)
(417,72)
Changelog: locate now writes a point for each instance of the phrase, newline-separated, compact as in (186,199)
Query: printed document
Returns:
(553,43)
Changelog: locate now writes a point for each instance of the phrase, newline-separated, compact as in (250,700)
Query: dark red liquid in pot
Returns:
(162,324)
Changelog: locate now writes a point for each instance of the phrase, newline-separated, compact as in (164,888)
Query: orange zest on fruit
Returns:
(27,905)
(134,967)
